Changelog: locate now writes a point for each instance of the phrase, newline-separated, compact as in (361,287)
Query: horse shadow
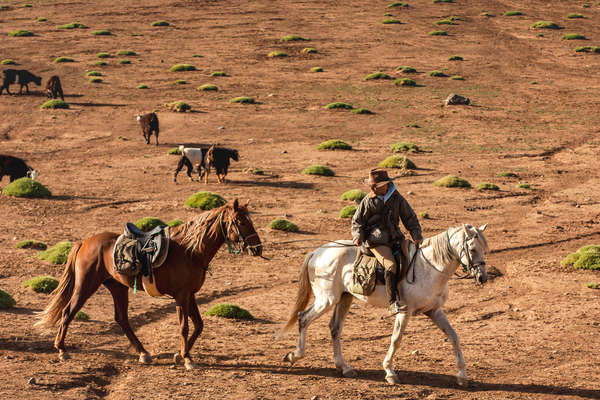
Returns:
(279,185)
(90,104)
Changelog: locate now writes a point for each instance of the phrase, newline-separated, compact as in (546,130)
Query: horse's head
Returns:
(240,230)
(472,254)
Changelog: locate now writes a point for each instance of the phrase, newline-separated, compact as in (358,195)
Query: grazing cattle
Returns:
(15,168)
(54,88)
(205,158)
(20,76)
(149,123)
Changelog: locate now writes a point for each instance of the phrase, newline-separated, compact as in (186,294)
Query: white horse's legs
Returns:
(304,320)
(335,326)
(388,361)
(439,319)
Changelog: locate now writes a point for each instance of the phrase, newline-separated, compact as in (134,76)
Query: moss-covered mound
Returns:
(54,103)
(141,86)
(6,300)
(42,19)
(277,53)
(101,32)
(318,170)
(573,36)
(397,4)
(31,244)
(316,69)
(455,58)
(218,73)
(437,74)
(178,106)
(390,21)
(507,174)
(406,69)
(574,15)
(281,224)
(41,284)
(445,22)
(438,33)
(175,222)
(124,61)
(544,25)
(205,200)
(225,310)
(487,186)
(103,55)
(99,63)
(348,211)
(174,151)
(363,111)
(353,195)
(208,87)
(180,82)
(587,49)
(95,80)
(338,105)
(309,50)
(397,162)
(72,25)
(20,33)
(524,185)
(182,67)
(148,223)
(81,316)
(334,144)
(512,13)
(94,73)
(57,254)
(293,38)
(8,61)
(424,215)
(377,75)
(404,147)
(63,59)
(160,23)
(452,181)
(26,187)
(405,82)
(457,78)
(126,53)
(587,257)
(243,100)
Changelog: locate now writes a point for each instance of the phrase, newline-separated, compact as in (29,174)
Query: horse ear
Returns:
(482,227)
(247,202)
(236,205)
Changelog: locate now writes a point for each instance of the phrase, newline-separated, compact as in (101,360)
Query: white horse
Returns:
(327,272)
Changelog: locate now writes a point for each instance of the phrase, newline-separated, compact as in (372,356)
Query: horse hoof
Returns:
(189,365)
(145,358)
(350,373)
(63,356)
(392,379)
(289,357)
(177,358)
(462,382)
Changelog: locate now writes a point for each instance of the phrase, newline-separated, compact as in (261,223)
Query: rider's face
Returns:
(381,190)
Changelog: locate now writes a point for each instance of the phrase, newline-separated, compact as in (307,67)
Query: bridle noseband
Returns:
(469,269)
(237,247)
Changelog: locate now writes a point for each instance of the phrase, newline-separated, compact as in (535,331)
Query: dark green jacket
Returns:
(375,223)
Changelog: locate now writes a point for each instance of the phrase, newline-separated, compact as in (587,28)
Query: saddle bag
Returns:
(127,261)
(364,276)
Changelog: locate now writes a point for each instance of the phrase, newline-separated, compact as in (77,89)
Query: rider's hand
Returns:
(357,242)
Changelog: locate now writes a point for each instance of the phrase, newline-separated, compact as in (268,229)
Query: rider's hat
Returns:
(378,177)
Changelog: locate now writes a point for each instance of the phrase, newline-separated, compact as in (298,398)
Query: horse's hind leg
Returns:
(335,326)
(439,319)
(120,294)
(388,361)
(197,320)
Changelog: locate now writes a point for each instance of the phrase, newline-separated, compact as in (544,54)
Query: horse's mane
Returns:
(440,245)
(191,234)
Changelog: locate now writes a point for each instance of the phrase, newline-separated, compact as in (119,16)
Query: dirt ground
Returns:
(530,333)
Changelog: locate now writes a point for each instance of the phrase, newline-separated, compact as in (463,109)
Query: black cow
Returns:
(21,77)
(15,168)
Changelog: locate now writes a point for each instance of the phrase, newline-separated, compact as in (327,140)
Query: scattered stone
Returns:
(410,192)
(32,381)
(415,353)
(314,398)
(455,99)
(271,95)
(221,127)
(284,152)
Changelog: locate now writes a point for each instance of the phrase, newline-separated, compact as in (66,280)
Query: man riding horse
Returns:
(375,226)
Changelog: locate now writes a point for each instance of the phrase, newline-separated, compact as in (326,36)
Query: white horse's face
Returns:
(473,253)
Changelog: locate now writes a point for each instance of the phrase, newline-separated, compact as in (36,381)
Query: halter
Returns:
(237,247)
(465,267)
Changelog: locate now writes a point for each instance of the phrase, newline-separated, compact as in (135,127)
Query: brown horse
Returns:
(192,246)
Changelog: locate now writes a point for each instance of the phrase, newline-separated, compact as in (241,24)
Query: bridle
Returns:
(469,269)
(242,242)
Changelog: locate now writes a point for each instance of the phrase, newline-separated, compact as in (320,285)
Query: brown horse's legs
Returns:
(183,311)
(120,294)
(197,320)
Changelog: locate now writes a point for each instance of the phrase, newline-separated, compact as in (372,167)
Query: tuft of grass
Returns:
(6,300)
(182,67)
(445,22)
(309,50)
(316,69)
(276,54)
(545,25)
(218,73)
(353,195)
(63,59)
(318,170)
(405,82)
(437,73)
(208,87)
(174,151)
(512,13)
(179,106)
(507,175)
(397,162)
(586,5)
(388,21)
(424,215)
(31,244)
(94,73)
(57,254)
(573,36)
(452,181)
(137,34)
(124,62)
(539,34)
(457,78)
(205,200)
(348,211)
(293,38)
(524,185)
(8,61)
(20,33)
(377,75)
(175,222)
(404,147)
(592,285)
(455,58)
(361,111)
(197,55)
(281,224)
(103,55)
(397,4)
(54,103)
(587,49)
(148,223)
(72,25)
(101,32)
(41,284)
(438,33)
(487,186)
(243,100)
(574,15)
(406,69)
(141,86)
(95,80)
(338,105)
(26,187)
(126,53)
(99,63)
(334,144)
(27,6)
(42,19)
(81,316)
(225,310)
(160,23)
(486,14)
(180,82)
(586,257)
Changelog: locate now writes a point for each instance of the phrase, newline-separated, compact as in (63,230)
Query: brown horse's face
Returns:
(241,230)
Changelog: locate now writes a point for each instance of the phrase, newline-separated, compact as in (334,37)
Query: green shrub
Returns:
(397,162)
(81,316)
(377,75)
(27,6)
(100,63)
(486,14)
(31,244)
(243,100)
(361,111)
(512,13)
(438,33)
(318,170)
(586,5)
(316,69)
(95,80)
(205,200)
(404,147)
(174,151)
(72,25)
(445,22)
(293,38)
(218,73)
(277,53)
(55,103)
(8,61)
(141,86)
(103,55)
(573,36)
(406,69)
(180,82)
(524,185)
(101,32)
(42,19)
(229,311)
(57,254)
(41,284)
(592,285)
(182,67)
(405,82)
(397,4)
(197,55)
(6,300)
(26,187)
(160,23)
(148,223)
(124,62)
(412,125)
(175,222)
(544,25)
(334,144)
(390,21)
(457,78)
(348,211)
(574,15)
(126,53)
(424,215)
(507,175)
(338,105)
(63,59)
(309,50)
(94,73)
(487,186)
(455,58)
(587,49)
(208,87)
(20,33)
(353,195)
(437,73)
(586,257)
(452,181)
(179,106)
(540,34)
(281,224)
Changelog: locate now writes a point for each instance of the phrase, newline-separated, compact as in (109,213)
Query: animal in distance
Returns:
(19,76)
(219,159)
(149,124)
(15,168)
(54,88)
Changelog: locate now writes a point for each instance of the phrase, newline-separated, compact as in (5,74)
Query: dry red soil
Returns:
(530,332)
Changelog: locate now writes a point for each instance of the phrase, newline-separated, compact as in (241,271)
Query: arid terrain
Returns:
(532,332)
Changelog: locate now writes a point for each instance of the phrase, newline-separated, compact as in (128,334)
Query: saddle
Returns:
(138,252)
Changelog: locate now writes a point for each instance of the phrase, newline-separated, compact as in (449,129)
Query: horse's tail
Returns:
(303,295)
(62,294)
